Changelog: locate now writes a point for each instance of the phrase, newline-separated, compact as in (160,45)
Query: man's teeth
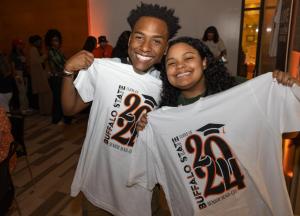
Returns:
(183,74)
(143,58)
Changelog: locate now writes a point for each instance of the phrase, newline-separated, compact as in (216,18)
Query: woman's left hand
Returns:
(285,78)
(141,124)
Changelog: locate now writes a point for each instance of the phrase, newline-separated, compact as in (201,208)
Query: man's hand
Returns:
(81,60)
(285,78)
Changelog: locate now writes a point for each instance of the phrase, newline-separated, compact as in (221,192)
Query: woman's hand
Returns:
(285,78)
(141,124)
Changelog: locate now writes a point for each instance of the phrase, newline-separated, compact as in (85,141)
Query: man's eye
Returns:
(157,42)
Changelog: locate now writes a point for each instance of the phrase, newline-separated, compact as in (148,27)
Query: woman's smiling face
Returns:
(184,68)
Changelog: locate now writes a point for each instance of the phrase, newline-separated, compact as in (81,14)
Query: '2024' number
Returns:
(207,164)
(127,119)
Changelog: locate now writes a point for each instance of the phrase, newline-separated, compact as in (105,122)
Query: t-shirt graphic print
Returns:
(205,156)
(128,106)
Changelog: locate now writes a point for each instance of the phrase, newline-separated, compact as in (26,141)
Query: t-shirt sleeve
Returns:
(85,83)
(142,166)
(221,45)
(280,104)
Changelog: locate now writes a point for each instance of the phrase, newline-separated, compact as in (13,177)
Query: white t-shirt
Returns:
(221,155)
(119,97)
(215,48)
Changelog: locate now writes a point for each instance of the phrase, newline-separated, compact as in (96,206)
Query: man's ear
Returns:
(129,39)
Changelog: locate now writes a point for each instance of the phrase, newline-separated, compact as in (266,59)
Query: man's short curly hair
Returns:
(157,11)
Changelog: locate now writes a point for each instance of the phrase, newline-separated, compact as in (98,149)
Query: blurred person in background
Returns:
(39,76)
(104,50)
(216,45)
(90,44)
(7,83)
(56,62)
(120,50)
(18,62)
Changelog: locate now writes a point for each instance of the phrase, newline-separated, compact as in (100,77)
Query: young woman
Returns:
(221,155)
(190,72)
(216,45)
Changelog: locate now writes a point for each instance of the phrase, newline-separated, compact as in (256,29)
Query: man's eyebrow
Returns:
(137,32)
(153,36)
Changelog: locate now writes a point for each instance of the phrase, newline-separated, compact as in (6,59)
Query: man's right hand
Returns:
(81,60)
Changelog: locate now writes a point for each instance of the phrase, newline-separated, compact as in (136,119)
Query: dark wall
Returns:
(20,19)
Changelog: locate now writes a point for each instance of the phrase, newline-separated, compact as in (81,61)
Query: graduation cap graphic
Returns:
(150,101)
(210,128)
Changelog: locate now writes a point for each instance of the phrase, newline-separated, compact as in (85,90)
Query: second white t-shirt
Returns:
(221,155)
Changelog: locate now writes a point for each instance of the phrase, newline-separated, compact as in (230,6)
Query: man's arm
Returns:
(71,100)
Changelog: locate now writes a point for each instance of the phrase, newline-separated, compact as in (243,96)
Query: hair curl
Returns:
(157,11)
(216,75)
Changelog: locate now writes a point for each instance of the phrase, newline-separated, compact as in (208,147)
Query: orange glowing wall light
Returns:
(288,154)
(294,65)
(96,11)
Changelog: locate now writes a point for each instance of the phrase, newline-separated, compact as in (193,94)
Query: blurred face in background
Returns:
(55,42)
(210,36)
(38,44)
(102,44)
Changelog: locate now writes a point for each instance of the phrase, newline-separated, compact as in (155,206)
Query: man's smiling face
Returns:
(147,43)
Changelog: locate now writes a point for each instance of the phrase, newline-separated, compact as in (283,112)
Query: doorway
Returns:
(256,33)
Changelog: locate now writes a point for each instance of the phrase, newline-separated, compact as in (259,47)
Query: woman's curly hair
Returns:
(217,77)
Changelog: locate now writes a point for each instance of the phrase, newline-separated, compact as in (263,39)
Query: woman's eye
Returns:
(189,58)
(170,64)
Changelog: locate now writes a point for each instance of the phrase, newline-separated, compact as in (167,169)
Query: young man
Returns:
(120,91)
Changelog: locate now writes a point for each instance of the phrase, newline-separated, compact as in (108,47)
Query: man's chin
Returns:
(140,70)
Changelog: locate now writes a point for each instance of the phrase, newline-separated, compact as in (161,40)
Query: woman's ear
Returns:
(204,63)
